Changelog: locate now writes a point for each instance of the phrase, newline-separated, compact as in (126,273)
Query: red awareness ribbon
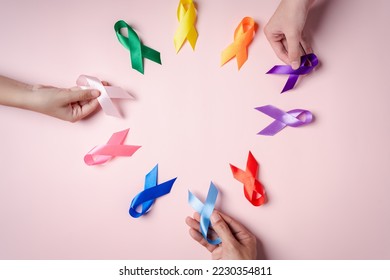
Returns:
(253,189)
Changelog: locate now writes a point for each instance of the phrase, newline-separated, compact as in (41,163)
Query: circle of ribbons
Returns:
(243,36)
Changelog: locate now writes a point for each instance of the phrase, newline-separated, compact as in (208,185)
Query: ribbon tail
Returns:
(238,174)
(137,59)
(272,129)
(252,165)
(147,197)
(242,56)
(192,37)
(228,53)
(151,54)
(195,203)
(151,178)
(117,93)
(291,81)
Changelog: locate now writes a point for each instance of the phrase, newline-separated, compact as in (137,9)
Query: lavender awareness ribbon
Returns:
(308,63)
(283,119)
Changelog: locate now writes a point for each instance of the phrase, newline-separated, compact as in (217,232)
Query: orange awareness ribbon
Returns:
(114,147)
(243,36)
(186,14)
(253,189)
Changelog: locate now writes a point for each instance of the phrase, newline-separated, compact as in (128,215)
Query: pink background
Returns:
(328,183)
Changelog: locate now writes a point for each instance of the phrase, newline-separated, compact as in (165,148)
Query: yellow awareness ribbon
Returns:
(186,14)
(243,36)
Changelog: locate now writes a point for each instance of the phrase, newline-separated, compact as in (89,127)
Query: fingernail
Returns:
(215,218)
(95,93)
(295,65)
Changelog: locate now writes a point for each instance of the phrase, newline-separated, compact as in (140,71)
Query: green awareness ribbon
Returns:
(137,50)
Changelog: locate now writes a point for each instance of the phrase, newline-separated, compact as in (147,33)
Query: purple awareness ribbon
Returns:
(308,63)
(283,119)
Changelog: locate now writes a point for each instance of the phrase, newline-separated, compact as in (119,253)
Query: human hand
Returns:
(237,242)
(284,31)
(66,104)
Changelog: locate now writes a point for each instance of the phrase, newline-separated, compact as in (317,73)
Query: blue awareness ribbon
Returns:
(151,192)
(205,210)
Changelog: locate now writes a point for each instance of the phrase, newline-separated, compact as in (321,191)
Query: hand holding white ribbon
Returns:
(106,93)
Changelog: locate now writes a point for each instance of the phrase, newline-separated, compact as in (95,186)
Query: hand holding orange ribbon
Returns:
(253,189)
(243,36)
(186,14)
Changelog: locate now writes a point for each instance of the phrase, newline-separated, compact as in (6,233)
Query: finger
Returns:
(75,88)
(82,103)
(82,95)
(275,41)
(196,216)
(240,232)
(82,111)
(196,225)
(306,46)
(104,83)
(197,236)
(222,228)
(280,51)
(234,226)
(192,223)
(294,50)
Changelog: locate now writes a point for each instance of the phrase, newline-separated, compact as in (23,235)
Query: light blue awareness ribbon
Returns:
(205,210)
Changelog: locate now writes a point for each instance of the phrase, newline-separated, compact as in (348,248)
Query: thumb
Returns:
(294,51)
(222,228)
(83,95)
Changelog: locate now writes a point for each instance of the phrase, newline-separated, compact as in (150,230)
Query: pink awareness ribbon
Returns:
(114,148)
(106,93)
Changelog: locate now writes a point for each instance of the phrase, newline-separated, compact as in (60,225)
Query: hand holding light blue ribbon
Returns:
(205,210)
(283,119)
(151,192)
(308,63)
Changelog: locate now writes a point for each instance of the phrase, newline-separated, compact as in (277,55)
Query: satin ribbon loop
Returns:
(113,148)
(205,210)
(186,14)
(138,51)
(146,198)
(106,93)
(243,36)
(253,189)
(283,119)
(308,63)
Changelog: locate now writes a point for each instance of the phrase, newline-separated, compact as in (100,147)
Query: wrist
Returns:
(37,98)
(27,97)
(306,4)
